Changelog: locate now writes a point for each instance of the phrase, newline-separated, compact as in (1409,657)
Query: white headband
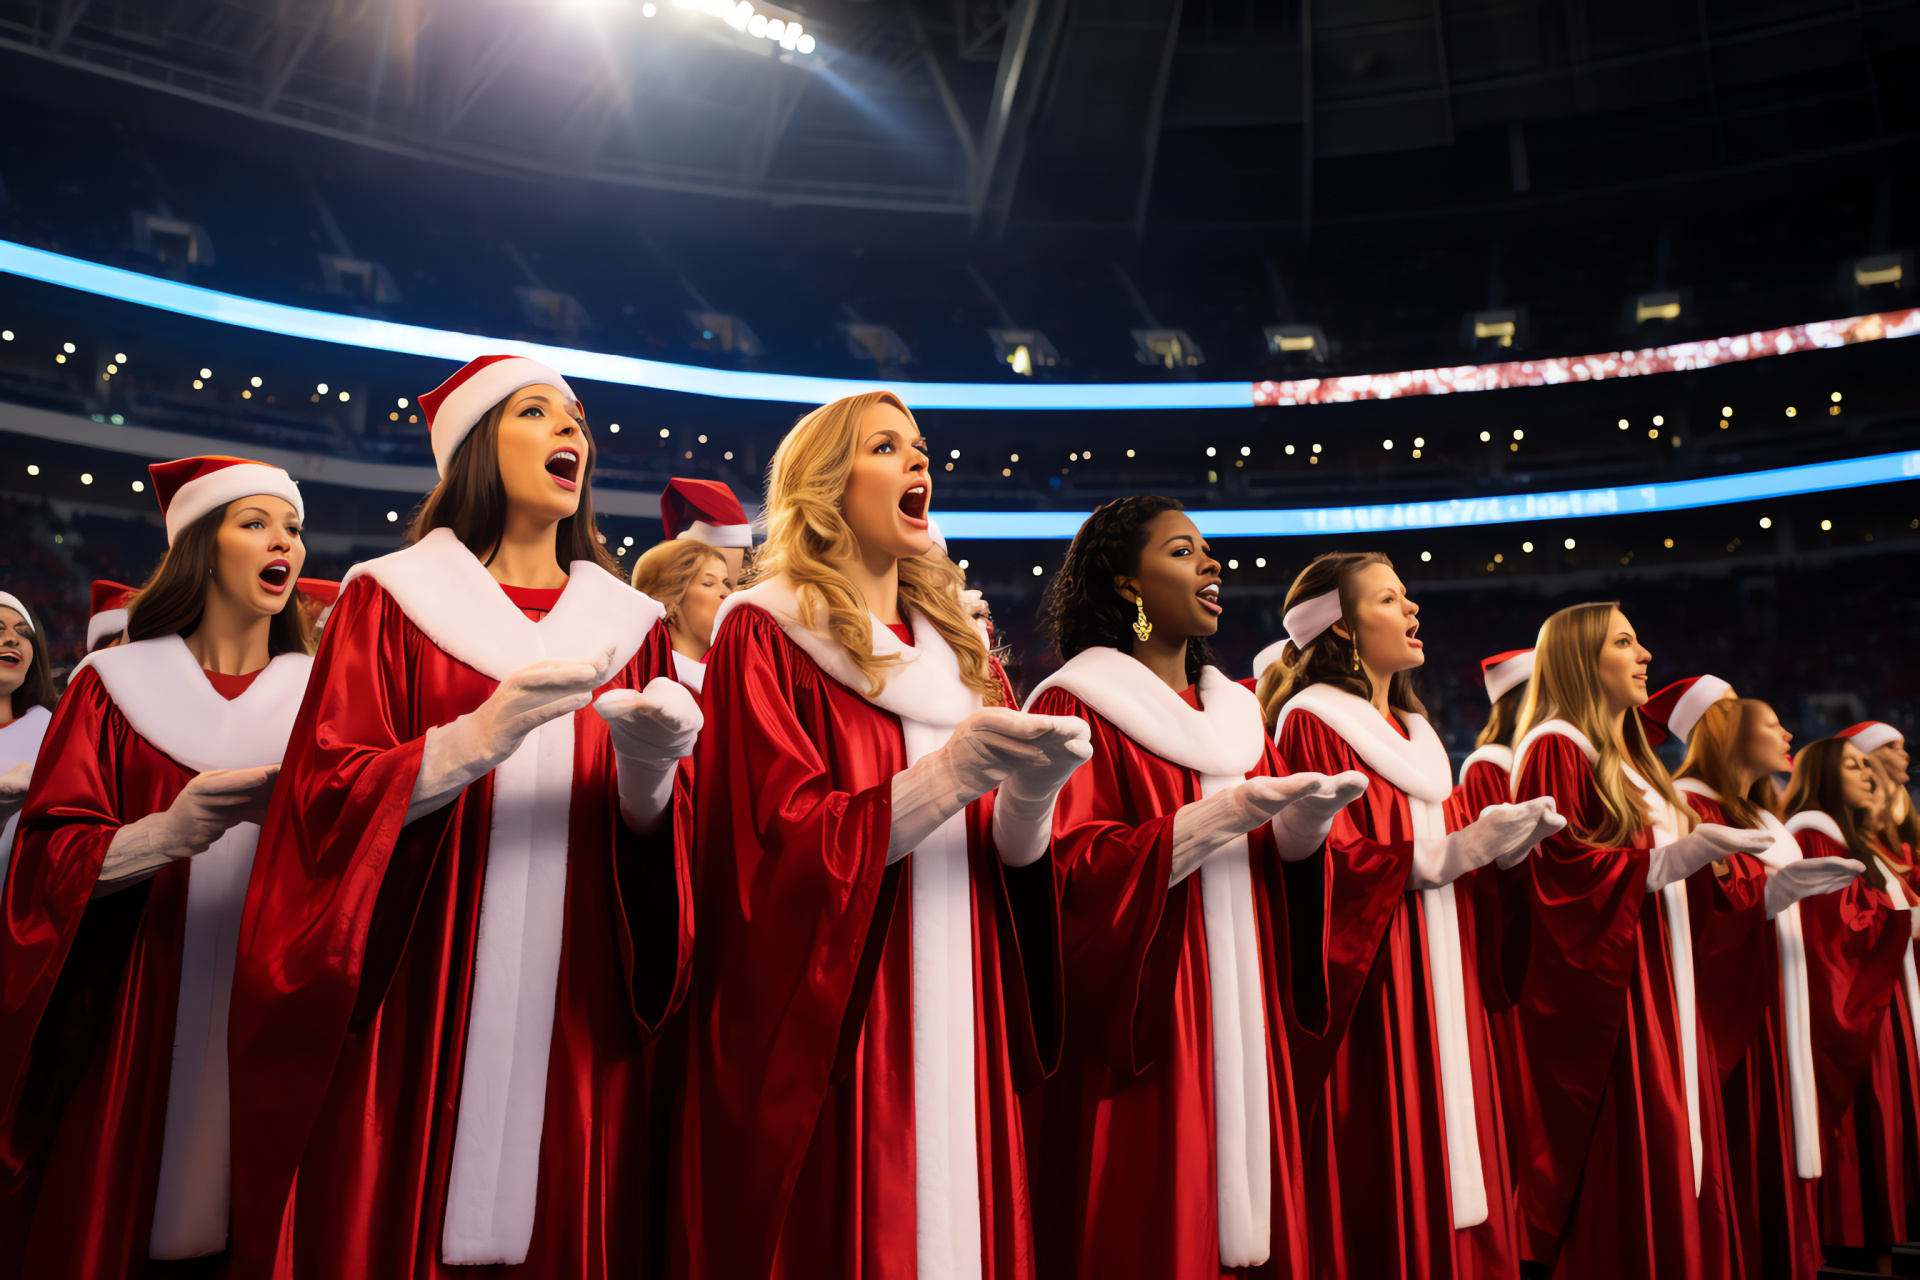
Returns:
(12,602)
(1307,620)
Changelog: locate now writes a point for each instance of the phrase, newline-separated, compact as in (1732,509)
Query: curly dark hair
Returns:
(1083,608)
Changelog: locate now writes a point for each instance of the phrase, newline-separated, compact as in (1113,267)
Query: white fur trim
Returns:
(1306,620)
(443,589)
(216,489)
(11,601)
(1497,754)
(1222,742)
(467,403)
(1875,736)
(161,690)
(1559,728)
(927,695)
(19,744)
(1693,704)
(689,672)
(1814,820)
(720,535)
(1416,766)
(103,624)
(1267,657)
(1506,675)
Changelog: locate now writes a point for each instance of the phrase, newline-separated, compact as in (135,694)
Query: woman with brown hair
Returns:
(1624,1159)
(1832,941)
(1870,1187)
(1402,1083)
(879,973)
(123,901)
(689,579)
(1486,775)
(468,917)
(26,706)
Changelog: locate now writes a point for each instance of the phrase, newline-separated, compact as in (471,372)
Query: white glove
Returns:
(1302,827)
(470,747)
(1023,811)
(13,790)
(210,805)
(651,730)
(1806,878)
(1503,833)
(986,748)
(1205,827)
(1708,843)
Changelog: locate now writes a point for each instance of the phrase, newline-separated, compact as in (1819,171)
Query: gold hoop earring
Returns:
(1141,627)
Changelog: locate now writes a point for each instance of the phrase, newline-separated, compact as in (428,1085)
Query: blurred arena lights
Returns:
(1851,473)
(381,335)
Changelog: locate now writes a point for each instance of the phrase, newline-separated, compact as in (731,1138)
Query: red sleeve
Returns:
(1732,942)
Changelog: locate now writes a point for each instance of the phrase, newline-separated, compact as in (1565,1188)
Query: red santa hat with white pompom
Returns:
(189,488)
(1871,735)
(455,407)
(706,511)
(1678,707)
(1503,671)
(109,611)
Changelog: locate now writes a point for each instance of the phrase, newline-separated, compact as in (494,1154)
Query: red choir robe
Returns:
(1407,1145)
(858,1033)
(1486,777)
(1168,1143)
(1624,1172)
(1866,1061)
(441,1024)
(114,1010)
(19,744)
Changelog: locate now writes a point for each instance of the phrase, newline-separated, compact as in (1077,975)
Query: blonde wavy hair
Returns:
(1566,686)
(809,541)
(669,568)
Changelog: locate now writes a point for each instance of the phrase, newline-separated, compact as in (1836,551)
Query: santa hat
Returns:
(1505,670)
(456,406)
(1678,707)
(706,511)
(1871,735)
(109,611)
(12,602)
(189,488)
(323,592)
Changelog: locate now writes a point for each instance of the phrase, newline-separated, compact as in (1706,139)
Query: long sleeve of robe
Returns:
(356,994)
(797,1143)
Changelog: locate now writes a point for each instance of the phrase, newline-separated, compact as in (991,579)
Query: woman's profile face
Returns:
(543,455)
(1178,578)
(16,650)
(259,555)
(889,491)
(1858,787)
(695,612)
(1765,744)
(1387,621)
(1622,667)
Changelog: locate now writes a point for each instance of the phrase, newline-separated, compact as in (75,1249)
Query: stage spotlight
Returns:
(1168,348)
(1299,341)
(1666,305)
(1506,327)
(1023,350)
(1892,272)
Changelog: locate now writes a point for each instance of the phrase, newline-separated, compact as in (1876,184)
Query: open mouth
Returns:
(564,466)
(1210,597)
(1413,637)
(276,576)
(913,505)
(10,657)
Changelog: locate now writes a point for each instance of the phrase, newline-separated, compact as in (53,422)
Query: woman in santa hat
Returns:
(1169,1139)
(107,621)
(1486,775)
(707,511)
(877,982)
(123,900)
(1886,747)
(26,706)
(468,917)
(1407,1145)
(1868,1193)
(1832,941)
(689,579)
(1624,1157)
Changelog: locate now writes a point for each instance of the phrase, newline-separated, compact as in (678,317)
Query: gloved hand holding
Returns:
(1302,827)
(13,789)
(1807,878)
(652,729)
(1708,843)
(1205,827)
(473,745)
(1503,833)
(986,748)
(1023,810)
(210,805)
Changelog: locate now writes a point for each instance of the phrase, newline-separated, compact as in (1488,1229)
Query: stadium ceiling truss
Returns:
(987,109)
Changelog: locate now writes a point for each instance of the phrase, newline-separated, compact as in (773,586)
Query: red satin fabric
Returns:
(1376,1147)
(355,968)
(796,1146)
(88,990)
(1124,1172)
(1607,1186)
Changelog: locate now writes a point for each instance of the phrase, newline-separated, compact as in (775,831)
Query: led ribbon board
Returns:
(735,384)
(1406,516)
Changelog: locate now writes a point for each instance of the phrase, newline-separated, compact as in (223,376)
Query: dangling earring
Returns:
(1141,627)
(1356,653)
